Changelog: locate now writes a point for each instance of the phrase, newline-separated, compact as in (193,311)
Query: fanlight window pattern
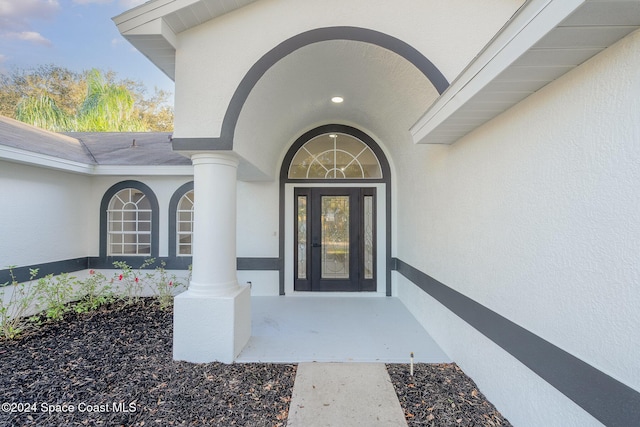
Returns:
(129,223)
(335,156)
(184,224)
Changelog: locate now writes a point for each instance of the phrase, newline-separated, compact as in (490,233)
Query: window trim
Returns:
(173,210)
(338,147)
(155,219)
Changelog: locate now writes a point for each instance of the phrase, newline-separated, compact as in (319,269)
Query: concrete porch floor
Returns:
(336,329)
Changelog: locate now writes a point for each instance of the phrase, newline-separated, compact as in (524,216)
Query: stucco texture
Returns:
(534,215)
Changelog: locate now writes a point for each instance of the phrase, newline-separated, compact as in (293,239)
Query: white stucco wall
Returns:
(258,219)
(44,217)
(534,215)
(209,67)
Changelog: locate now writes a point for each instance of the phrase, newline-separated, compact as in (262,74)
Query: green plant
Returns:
(54,294)
(165,286)
(131,282)
(12,312)
(93,292)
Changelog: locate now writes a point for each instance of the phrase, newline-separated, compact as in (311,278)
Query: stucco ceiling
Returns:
(383,94)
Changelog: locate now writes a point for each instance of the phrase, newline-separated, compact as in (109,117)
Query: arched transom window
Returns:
(129,223)
(184,224)
(335,156)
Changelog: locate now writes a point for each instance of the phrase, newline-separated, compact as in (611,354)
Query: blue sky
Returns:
(75,34)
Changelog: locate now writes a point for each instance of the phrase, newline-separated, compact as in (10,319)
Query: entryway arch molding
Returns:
(386,179)
(268,60)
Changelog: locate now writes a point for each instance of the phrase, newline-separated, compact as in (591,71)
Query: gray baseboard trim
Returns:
(605,398)
(258,264)
(22,274)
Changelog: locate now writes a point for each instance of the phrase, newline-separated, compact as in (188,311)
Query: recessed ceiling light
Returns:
(337,99)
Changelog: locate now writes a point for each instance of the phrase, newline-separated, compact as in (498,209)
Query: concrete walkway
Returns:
(344,395)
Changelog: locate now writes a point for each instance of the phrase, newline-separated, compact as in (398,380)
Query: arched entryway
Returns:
(335,215)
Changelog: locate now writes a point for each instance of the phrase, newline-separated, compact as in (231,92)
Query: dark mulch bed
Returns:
(442,395)
(115,367)
(120,359)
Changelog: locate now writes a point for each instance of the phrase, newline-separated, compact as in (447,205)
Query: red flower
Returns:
(92,272)
(171,283)
(136,280)
(120,277)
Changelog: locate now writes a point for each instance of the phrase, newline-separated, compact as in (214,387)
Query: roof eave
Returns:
(152,27)
(500,76)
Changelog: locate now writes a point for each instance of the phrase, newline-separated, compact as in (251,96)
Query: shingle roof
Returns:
(30,138)
(93,148)
(118,148)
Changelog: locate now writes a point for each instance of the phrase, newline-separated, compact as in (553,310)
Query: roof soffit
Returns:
(544,41)
(152,27)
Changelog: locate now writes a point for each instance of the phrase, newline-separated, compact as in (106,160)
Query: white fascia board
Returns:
(532,22)
(44,160)
(135,170)
(157,27)
(17,155)
(147,12)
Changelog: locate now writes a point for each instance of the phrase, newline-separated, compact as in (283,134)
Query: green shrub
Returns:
(93,292)
(13,312)
(54,294)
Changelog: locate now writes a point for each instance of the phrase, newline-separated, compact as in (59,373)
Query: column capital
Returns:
(215,158)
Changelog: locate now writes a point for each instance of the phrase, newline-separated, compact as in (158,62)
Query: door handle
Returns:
(316,245)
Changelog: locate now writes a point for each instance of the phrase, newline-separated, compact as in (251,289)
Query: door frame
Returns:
(380,237)
(313,280)
(384,199)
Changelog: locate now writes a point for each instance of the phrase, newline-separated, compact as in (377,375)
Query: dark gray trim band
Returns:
(605,398)
(200,144)
(22,274)
(258,264)
(255,73)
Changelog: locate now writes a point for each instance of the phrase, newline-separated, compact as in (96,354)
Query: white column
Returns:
(214,239)
(212,319)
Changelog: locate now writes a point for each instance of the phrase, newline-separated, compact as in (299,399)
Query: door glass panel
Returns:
(302,237)
(368,237)
(335,237)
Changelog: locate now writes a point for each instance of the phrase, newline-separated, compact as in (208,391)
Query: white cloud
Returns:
(30,36)
(15,14)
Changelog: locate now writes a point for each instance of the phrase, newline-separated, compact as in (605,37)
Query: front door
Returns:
(335,239)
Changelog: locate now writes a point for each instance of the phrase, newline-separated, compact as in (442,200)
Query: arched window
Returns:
(184,225)
(129,219)
(181,222)
(335,156)
(129,223)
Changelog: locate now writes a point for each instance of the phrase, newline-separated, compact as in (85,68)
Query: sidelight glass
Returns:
(368,237)
(302,237)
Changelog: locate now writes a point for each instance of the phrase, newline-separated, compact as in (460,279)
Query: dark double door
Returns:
(334,239)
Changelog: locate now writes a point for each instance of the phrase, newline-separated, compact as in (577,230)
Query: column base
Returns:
(211,328)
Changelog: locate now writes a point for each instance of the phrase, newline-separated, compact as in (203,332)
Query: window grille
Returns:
(335,156)
(184,224)
(129,223)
